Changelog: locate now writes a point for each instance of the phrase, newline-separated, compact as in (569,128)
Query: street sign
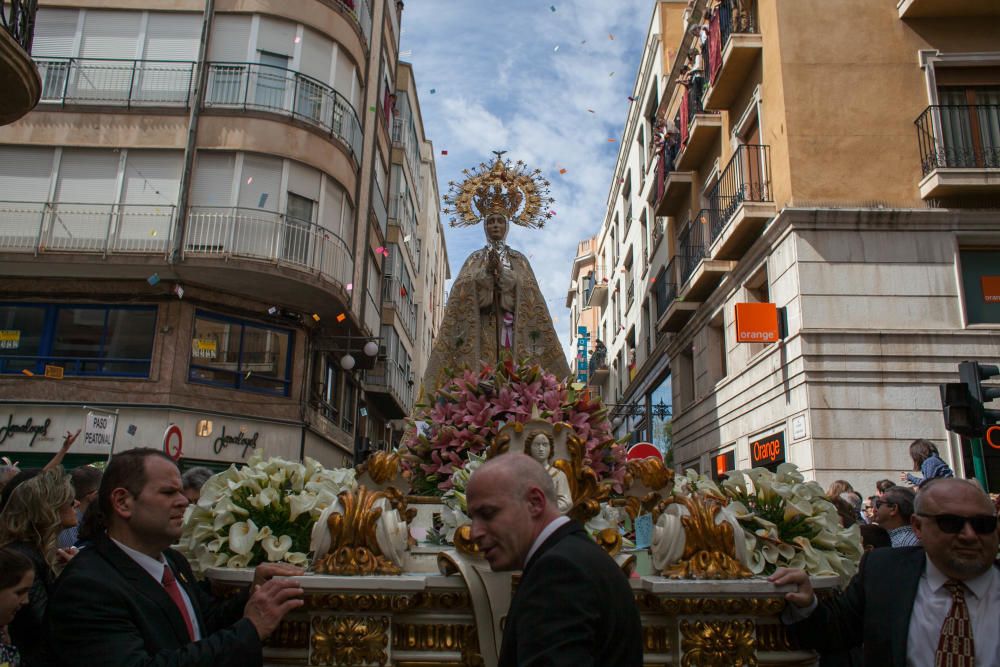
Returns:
(643,450)
(99,429)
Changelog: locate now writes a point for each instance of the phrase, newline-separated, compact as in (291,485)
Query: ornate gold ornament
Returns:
(381,466)
(349,640)
(290,634)
(354,549)
(360,603)
(718,644)
(773,637)
(655,638)
(709,547)
(610,540)
(504,188)
(646,480)
(587,490)
(711,606)
(464,542)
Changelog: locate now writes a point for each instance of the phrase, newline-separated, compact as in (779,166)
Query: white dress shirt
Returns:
(155,569)
(931,606)
(544,535)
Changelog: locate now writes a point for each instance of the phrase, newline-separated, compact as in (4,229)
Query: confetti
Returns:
(315,317)
(555,49)
(612,140)
(27,372)
(631,99)
(372,108)
(297,39)
(611,37)
(341,317)
(406,239)
(262,200)
(132,429)
(444,152)
(591,111)
(406,54)
(350,286)
(433,91)
(179,291)
(562,171)
(250,180)
(583,42)
(611,75)
(552,7)
(153,279)
(152,232)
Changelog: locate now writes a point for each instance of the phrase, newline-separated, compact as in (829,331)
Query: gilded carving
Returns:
(610,540)
(359,603)
(773,637)
(448,601)
(749,606)
(718,644)
(587,490)
(349,640)
(464,542)
(290,634)
(381,466)
(646,480)
(459,638)
(709,547)
(354,548)
(655,638)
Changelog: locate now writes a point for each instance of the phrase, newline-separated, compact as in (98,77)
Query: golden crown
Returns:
(505,188)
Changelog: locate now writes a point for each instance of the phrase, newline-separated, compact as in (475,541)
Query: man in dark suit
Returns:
(913,606)
(130,600)
(573,606)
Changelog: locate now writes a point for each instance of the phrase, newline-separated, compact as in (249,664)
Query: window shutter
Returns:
(87,176)
(303,181)
(276,36)
(172,36)
(152,177)
(317,54)
(212,184)
(25,172)
(55,32)
(230,38)
(260,184)
(109,34)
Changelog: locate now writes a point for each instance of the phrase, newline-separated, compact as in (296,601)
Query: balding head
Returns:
(956,524)
(511,498)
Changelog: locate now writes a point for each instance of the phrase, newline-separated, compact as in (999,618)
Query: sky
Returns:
(550,87)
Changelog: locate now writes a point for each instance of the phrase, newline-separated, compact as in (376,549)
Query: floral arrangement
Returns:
(465,414)
(786,521)
(262,511)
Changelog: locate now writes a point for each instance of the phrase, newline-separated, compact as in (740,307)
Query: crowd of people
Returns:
(88,575)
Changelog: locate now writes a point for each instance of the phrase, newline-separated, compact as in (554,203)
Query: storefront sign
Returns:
(756,323)
(991,289)
(723,463)
(10,339)
(203,348)
(173,442)
(29,427)
(240,440)
(99,429)
(768,450)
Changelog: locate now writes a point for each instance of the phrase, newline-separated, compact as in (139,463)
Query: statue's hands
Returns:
(803,596)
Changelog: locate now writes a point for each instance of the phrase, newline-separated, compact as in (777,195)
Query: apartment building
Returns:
(194,231)
(834,171)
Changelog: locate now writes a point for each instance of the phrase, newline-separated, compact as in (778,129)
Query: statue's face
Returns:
(496,227)
(540,448)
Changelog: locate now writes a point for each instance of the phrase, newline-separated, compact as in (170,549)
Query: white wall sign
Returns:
(798,427)
(99,429)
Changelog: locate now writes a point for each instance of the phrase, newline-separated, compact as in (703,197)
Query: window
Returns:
(981,285)
(100,340)
(685,374)
(239,354)
(271,75)
(717,348)
(299,218)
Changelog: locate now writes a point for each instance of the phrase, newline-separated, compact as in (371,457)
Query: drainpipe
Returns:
(201,71)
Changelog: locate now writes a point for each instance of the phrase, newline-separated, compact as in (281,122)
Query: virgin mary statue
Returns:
(495,307)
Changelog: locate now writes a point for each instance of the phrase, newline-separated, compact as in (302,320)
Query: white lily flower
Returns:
(220,521)
(276,547)
(320,541)
(303,502)
(242,536)
(239,560)
(266,497)
(264,533)
(296,558)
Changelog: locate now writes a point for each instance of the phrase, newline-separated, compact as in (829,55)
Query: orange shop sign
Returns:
(756,323)
(991,288)
(767,450)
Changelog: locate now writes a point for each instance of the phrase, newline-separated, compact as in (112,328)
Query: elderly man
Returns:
(916,607)
(893,512)
(131,600)
(573,606)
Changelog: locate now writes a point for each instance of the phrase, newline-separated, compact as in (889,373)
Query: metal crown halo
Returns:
(509,188)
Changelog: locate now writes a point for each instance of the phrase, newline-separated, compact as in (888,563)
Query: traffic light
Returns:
(972,374)
(960,414)
(962,402)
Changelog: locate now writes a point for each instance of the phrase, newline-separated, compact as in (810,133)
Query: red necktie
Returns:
(174,591)
(955,647)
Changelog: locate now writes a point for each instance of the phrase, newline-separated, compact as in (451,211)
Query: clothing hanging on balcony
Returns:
(685,107)
(715,45)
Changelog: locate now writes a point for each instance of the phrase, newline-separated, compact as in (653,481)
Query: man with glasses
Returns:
(893,512)
(933,606)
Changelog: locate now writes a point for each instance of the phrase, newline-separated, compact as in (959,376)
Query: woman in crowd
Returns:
(928,461)
(37,505)
(16,577)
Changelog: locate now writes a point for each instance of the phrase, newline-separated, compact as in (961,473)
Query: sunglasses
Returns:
(880,503)
(953,524)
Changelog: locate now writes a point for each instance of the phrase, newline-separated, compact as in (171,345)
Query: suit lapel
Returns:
(908,572)
(144,585)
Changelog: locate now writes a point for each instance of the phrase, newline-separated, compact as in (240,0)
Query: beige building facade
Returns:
(840,162)
(194,230)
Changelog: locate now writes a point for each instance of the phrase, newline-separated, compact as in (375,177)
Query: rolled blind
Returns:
(55,33)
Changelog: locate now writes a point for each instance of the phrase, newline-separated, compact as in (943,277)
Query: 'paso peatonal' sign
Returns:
(768,450)
(29,427)
(240,440)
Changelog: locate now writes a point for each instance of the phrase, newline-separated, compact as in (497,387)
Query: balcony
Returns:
(699,274)
(105,229)
(19,79)
(735,45)
(700,129)
(117,83)
(397,300)
(741,202)
(401,215)
(672,310)
(256,87)
(672,187)
(378,208)
(293,247)
(389,390)
(598,367)
(918,9)
(959,150)
(596,291)
(361,12)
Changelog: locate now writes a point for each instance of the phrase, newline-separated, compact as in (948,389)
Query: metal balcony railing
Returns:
(732,16)
(17,17)
(959,136)
(629,292)
(666,288)
(747,177)
(283,91)
(388,374)
(373,313)
(113,82)
(270,236)
(97,228)
(401,213)
(692,244)
(395,293)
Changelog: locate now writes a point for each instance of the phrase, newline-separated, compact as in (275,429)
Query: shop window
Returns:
(114,341)
(239,354)
(981,285)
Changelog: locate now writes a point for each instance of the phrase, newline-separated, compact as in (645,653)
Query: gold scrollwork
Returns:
(349,640)
(647,480)
(709,547)
(354,549)
(459,638)
(449,601)
(290,634)
(773,637)
(718,644)
(610,540)
(655,639)
(464,542)
(382,466)
(674,606)
(586,489)
(359,603)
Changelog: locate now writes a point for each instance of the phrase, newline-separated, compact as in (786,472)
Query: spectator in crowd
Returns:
(874,537)
(868,509)
(853,498)
(85,481)
(131,600)
(573,606)
(38,505)
(848,517)
(928,461)
(838,487)
(16,577)
(935,605)
(893,511)
(192,480)
(882,485)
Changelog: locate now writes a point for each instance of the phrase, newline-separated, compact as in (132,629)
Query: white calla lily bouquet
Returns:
(786,521)
(263,511)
